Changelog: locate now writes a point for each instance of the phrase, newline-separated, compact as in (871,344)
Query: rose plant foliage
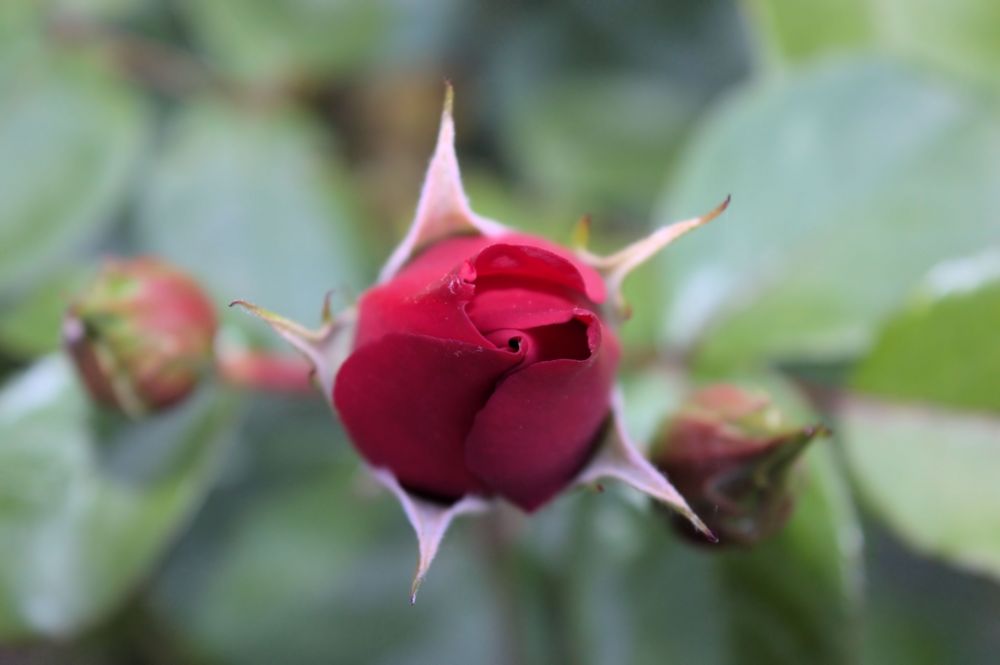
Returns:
(481,365)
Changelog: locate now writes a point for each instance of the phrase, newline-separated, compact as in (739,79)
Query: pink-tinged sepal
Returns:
(616,267)
(443,209)
(326,348)
(430,521)
(620,459)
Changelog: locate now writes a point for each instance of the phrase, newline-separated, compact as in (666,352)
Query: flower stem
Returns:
(499,554)
(258,370)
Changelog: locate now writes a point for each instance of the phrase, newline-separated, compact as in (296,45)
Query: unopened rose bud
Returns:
(141,335)
(730,452)
(483,367)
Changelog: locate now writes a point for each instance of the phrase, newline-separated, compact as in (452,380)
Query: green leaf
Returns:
(88,505)
(961,37)
(31,325)
(599,139)
(99,10)
(63,174)
(849,181)
(319,569)
(942,347)
(930,471)
(794,31)
(957,37)
(244,200)
(796,598)
(931,475)
(264,42)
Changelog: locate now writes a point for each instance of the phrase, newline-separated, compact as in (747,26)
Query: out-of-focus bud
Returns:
(730,453)
(141,335)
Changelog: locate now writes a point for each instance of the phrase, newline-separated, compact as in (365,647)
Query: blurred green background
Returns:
(275,150)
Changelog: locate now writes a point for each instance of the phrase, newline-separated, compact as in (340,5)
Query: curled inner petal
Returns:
(539,426)
(563,340)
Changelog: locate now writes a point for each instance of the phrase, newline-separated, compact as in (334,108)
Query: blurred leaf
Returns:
(652,396)
(958,36)
(319,569)
(592,100)
(943,347)
(849,182)
(604,581)
(796,598)
(243,200)
(793,30)
(490,197)
(262,42)
(31,325)
(63,174)
(600,138)
(97,9)
(921,612)
(931,475)
(83,515)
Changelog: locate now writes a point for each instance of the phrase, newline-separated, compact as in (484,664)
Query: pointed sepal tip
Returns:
(430,521)
(620,458)
(618,266)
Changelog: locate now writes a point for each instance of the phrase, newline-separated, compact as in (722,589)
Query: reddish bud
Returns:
(730,453)
(141,335)
(483,367)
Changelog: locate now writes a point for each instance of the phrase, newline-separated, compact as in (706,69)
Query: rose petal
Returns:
(408,402)
(439,259)
(539,427)
(436,310)
(592,279)
(535,259)
(430,295)
(517,307)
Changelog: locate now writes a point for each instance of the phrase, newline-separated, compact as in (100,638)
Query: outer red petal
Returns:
(439,259)
(436,309)
(540,426)
(408,402)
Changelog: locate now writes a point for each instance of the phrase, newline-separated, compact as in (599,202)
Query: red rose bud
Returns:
(141,335)
(482,367)
(730,453)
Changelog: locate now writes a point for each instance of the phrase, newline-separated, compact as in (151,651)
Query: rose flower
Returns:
(481,366)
